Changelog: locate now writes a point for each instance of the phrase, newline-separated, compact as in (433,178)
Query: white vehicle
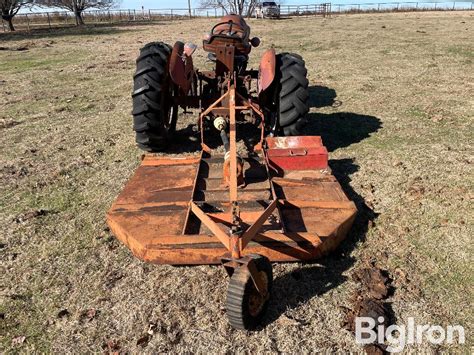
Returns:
(268,9)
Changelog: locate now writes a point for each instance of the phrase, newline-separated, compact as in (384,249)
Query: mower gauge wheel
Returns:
(245,304)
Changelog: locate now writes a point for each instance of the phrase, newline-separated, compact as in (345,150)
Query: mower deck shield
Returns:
(152,215)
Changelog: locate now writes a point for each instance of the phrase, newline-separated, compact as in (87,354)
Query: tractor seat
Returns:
(231,30)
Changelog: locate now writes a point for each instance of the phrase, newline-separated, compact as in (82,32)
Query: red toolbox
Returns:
(297,153)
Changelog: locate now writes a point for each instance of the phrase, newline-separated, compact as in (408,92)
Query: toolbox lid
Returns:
(294,142)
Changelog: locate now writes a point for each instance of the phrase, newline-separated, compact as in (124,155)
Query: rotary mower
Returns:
(278,202)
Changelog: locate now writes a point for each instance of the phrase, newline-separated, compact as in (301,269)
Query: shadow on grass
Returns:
(185,140)
(322,96)
(337,130)
(64,31)
(341,129)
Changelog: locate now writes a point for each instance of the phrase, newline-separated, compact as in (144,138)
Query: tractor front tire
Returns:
(154,114)
(293,95)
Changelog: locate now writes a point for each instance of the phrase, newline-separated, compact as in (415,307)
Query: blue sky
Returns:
(183,4)
(176,4)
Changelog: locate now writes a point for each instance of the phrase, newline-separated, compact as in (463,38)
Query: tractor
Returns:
(278,202)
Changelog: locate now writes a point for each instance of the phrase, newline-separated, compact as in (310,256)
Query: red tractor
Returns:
(166,79)
(279,202)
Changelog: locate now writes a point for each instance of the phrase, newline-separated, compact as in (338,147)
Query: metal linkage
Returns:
(239,236)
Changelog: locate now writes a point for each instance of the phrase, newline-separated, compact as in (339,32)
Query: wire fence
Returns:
(57,19)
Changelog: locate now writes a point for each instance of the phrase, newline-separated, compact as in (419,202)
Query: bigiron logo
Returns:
(396,337)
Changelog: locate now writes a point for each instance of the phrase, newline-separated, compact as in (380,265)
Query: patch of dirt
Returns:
(31,215)
(369,300)
(19,48)
(88,315)
(7,123)
(11,171)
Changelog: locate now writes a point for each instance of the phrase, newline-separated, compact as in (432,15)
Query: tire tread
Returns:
(148,96)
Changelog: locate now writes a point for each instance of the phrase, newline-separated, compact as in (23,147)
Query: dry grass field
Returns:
(392,96)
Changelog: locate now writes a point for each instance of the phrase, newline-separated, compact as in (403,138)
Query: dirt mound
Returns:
(369,300)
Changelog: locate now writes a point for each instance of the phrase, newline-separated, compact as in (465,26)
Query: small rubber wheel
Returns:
(245,305)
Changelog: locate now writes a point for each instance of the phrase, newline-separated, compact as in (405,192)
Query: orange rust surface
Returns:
(150,213)
(266,72)
(239,26)
(181,67)
(240,172)
(217,231)
(152,160)
(151,184)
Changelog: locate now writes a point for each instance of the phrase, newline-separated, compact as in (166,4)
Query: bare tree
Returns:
(240,7)
(10,8)
(251,7)
(77,6)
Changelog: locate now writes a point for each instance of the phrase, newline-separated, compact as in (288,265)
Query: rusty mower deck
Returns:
(154,214)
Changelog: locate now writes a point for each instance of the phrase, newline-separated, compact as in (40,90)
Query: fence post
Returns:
(171,13)
(134,15)
(149,15)
(49,20)
(416,6)
(27,22)
(215,13)
(3,25)
(435,6)
(454,5)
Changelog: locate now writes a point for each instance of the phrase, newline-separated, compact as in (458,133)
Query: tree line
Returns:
(240,7)
(9,8)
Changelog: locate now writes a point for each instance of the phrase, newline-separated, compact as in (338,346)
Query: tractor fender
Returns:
(266,70)
(181,67)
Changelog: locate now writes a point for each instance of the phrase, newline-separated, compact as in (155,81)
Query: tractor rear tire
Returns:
(293,95)
(154,114)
